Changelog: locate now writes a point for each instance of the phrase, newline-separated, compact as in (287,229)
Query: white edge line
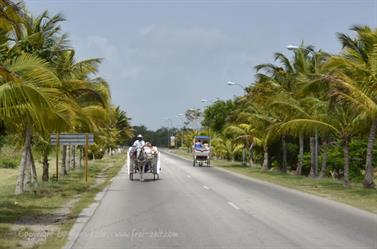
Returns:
(204,186)
(233,205)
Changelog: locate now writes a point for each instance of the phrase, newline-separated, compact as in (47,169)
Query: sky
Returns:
(162,57)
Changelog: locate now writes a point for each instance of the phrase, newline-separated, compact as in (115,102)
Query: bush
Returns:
(9,154)
(7,163)
(335,161)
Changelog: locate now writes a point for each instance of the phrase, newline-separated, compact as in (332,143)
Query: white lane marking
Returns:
(233,205)
(204,186)
(188,176)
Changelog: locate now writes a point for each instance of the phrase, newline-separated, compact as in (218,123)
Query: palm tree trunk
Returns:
(28,177)
(63,170)
(300,155)
(346,140)
(265,159)
(324,159)
(23,164)
(368,179)
(251,155)
(45,175)
(34,178)
(284,148)
(312,157)
(244,156)
(316,153)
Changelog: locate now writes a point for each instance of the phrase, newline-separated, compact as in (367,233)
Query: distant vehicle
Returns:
(143,160)
(201,151)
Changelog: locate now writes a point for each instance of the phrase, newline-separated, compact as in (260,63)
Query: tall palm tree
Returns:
(344,123)
(29,97)
(39,36)
(122,123)
(290,78)
(355,78)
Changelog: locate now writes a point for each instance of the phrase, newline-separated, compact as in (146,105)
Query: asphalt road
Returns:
(200,207)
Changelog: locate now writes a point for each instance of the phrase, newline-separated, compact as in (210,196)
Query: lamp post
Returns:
(169,122)
(180,116)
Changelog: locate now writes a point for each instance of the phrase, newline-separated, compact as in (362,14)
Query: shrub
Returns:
(7,163)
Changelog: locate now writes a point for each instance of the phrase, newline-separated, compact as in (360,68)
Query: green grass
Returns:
(328,188)
(48,197)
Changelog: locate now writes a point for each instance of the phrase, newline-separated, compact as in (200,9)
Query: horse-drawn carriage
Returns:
(143,160)
(201,152)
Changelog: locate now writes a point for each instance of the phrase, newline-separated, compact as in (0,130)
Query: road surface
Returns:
(200,207)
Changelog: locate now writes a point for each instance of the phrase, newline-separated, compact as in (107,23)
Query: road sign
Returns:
(71,139)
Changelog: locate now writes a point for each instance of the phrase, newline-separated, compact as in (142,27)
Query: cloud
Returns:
(161,71)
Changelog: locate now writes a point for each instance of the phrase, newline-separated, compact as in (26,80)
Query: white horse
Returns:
(139,159)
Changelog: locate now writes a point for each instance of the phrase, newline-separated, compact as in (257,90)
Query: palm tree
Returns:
(247,135)
(218,147)
(122,124)
(29,97)
(11,14)
(344,123)
(355,77)
(41,37)
(290,78)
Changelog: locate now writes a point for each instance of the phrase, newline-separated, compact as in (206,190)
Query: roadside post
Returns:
(85,139)
(57,157)
(86,156)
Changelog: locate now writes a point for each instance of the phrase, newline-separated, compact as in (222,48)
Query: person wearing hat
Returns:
(139,143)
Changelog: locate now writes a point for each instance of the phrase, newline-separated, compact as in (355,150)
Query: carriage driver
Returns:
(139,143)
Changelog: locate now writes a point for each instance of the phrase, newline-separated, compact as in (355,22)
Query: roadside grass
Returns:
(49,196)
(328,188)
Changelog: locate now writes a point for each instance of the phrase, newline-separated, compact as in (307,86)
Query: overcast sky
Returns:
(162,57)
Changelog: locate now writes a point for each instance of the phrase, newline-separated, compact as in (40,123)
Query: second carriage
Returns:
(201,151)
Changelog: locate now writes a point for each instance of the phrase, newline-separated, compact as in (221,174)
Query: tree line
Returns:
(310,112)
(44,89)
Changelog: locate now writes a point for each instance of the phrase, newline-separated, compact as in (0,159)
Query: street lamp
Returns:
(231,83)
(292,47)
(295,47)
(210,101)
